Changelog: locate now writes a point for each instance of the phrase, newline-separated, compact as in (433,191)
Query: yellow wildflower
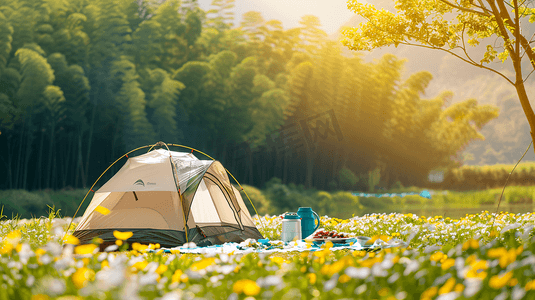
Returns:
(336,267)
(429,293)
(86,260)
(496,252)
(530,285)
(104,264)
(13,236)
(103,210)
(321,254)
(203,264)
(499,281)
(507,258)
(471,243)
(459,287)
(436,256)
(447,287)
(312,278)
(471,259)
(359,253)
(69,239)
(141,248)
(383,237)
(277,259)
(448,263)
(344,278)
(477,269)
(140,265)
(246,286)
(40,297)
(368,263)
(122,235)
(81,276)
(161,269)
(176,276)
(85,249)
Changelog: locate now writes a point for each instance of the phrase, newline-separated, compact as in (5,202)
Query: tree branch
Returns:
(464,47)
(483,8)
(517,27)
(529,75)
(525,44)
(461,58)
(464,8)
(500,19)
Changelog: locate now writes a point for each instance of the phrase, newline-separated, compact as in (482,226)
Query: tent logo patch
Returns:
(139,182)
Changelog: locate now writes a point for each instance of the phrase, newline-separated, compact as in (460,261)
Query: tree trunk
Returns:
(28,145)
(54,175)
(67,155)
(89,140)
(81,160)
(310,169)
(250,155)
(50,150)
(285,167)
(38,180)
(524,101)
(18,171)
(79,163)
(9,163)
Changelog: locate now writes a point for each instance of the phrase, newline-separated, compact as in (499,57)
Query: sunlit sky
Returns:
(332,13)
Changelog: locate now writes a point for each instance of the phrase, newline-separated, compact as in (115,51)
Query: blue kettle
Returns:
(308,221)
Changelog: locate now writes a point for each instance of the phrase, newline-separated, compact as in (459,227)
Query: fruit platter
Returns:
(332,236)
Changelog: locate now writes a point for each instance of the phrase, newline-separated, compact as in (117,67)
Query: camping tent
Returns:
(156,194)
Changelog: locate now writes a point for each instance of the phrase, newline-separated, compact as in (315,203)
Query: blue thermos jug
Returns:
(308,221)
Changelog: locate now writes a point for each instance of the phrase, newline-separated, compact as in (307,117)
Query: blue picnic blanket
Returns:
(267,246)
(424,193)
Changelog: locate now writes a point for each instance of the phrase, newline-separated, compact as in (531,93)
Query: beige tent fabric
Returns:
(220,173)
(244,213)
(202,207)
(220,203)
(157,210)
(96,201)
(153,172)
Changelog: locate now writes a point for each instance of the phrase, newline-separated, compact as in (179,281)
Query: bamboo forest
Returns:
(84,81)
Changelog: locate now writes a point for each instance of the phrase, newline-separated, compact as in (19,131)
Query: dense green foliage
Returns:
(276,198)
(82,82)
(485,177)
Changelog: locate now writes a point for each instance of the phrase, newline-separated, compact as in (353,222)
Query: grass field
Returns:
(479,256)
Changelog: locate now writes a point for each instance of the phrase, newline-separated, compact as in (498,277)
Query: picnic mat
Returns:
(267,246)
(424,193)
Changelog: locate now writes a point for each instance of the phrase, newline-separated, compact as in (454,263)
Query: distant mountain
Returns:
(506,136)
